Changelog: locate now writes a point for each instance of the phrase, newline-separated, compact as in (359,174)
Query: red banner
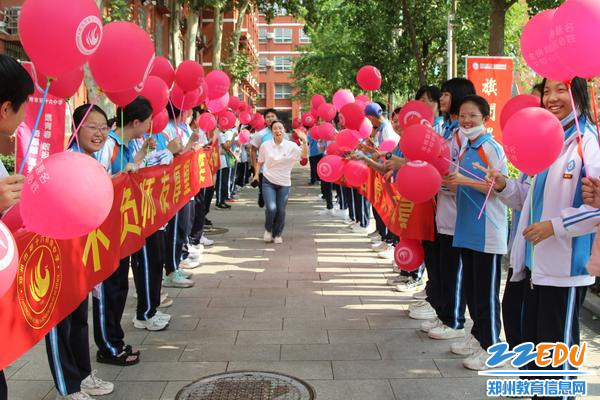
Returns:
(50,134)
(55,276)
(493,80)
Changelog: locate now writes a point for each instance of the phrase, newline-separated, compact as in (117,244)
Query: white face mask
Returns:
(474,132)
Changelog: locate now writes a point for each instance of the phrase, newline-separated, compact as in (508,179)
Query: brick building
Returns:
(280,43)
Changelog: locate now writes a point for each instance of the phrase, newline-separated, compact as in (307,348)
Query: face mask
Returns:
(472,133)
(568,119)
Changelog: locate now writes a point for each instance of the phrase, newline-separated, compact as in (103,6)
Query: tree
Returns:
(238,64)
(194,8)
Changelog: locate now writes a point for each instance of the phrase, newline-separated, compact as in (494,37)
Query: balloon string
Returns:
(465,170)
(595,107)
(37,122)
(74,136)
(531,223)
(477,205)
(490,190)
(72,126)
(174,120)
(122,140)
(579,136)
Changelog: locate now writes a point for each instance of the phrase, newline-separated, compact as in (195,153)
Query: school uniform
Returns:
(199,205)
(326,187)
(315,154)
(222,184)
(243,167)
(482,242)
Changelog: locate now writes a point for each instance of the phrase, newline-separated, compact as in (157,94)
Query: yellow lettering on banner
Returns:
(177,184)
(164,203)
(402,210)
(92,243)
(186,177)
(127,204)
(202,166)
(378,189)
(148,207)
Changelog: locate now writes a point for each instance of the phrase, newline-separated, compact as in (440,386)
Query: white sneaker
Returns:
(425,312)
(359,229)
(465,347)
(153,324)
(397,280)
(379,246)
(175,279)
(417,305)
(428,325)
(387,254)
(163,316)
(445,332)
(204,241)
(373,234)
(477,360)
(94,386)
(421,295)
(268,237)
(165,302)
(410,285)
(189,263)
(277,240)
(194,256)
(75,396)
(185,273)
(196,248)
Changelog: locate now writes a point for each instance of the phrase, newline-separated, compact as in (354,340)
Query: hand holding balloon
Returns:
(10,191)
(493,177)
(394,163)
(591,191)
(175,146)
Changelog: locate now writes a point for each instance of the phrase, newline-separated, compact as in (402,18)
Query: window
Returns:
(262,90)
(304,37)
(283,63)
(262,35)
(283,35)
(283,91)
(262,63)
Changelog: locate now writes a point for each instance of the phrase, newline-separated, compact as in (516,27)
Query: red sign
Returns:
(493,80)
(49,136)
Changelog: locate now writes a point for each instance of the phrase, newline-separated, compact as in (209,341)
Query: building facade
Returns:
(280,43)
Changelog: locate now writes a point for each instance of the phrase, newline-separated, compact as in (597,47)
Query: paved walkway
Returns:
(315,307)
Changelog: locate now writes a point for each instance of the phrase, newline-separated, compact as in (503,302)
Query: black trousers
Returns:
(241,175)
(348,201)
(178,230)
(481,275)
(147,267)
(361,208)
(199,212)
(68,351)
(3,387)
(222,185)
(327,190)
(379,225)
(513,306)
(433,287)
(313,161)
(232,179)
(108,305)
(261,199)
(208,194)
(452,308)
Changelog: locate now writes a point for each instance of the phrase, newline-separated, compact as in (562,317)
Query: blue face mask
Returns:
(568,119)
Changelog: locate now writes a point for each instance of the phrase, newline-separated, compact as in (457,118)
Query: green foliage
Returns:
(9,162)
(240,65)
(118,10)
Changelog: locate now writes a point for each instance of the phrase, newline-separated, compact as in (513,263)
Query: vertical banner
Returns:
(493,80)
(49,137)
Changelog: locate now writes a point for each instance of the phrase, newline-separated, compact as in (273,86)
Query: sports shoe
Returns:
(418,304)
(379,246)
(94,386)
(223,206)
(189,263)
(204,241)
(373,234)
(277,240)
(165,302)
(396,280)
(424,312)
(268,237)
(208,222)
(420,295)
(477,360)
(185,273)
(349,221)
(408,286)
(192,255)
(465,347)
(75,396)
(196,248)
(430,324)
(175,279)
(445,332)
(152,324)
(163,316)
(359,229)
(387,254)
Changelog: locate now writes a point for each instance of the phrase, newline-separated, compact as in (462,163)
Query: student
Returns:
(278,157)
(15,87)
(482,242)
(258,139)
(67,344)
(314,156)
(227,160)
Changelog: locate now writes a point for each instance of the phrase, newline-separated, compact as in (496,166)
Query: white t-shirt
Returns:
(278,161)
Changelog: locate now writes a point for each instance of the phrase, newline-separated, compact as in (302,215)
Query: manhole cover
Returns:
(215,231)
(247,386)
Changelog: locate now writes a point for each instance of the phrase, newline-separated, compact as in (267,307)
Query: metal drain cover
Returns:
(247,385)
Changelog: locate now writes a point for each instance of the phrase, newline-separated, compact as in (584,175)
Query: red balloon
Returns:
(189,75)
(203,93)
(533,150)
(60,35)
(308,120)
(207,122)
(418,181)
(244,107)
(226,120)
(354,116)
(356,173)
(363,97)
(327,131)
(245,117)
(326,112)
(368,78)
(219,104)
(347,140)
(218,84)
(122,98)
(63,86)
(258,122)
(182,100)
(330,168)
(160,121)
(12,218)
(157,93)
(409,254)
(316,101)
(315,132)
(296,123)
(124,58)
(413,112)
(9,259)
(303,161)
(515,104)
(442,162)
(420,142)
(163,69)
(333,149)
(234,102)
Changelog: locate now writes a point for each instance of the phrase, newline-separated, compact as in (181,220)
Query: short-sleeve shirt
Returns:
(278,161)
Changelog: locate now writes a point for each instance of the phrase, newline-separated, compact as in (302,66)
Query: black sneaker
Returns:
(261,201)
(222,206)
(208,222)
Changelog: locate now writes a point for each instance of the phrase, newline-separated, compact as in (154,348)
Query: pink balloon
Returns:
(182,100)
(341,98)
(333,149)
(9,259)
(356,173)
(160,121)
(326,112)
(327,131)
(413,112)
(353,116)
(59,189)
(316,101)
(368,78)
(157,93)
(366,128)
(330,168)
(245,117)
(244,136)
(420,142)
(122,41)
(315,132)
(226,120)
(122,98)
(418,181)
(60,35)
(363,97)
(533,150)
(234,102)
(387,145)
(203,93)
(539,53)
(515,104)
(409,254)
(575,33)
(308,119)
(189,75)
(347,140)
(207,122)
(63,86)
(217,105)
(442,162)
(296,123)
(163,69)
(258,122)
(218,84)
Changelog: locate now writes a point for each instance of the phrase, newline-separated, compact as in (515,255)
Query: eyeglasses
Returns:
(470,116)
(94,128)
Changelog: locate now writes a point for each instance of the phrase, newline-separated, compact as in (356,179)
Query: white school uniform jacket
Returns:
(561,259)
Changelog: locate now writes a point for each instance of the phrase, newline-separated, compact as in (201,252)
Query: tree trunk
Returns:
(235,39)
(175,48)
(497,21)
(193,20)
(219,13)
(413,42)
